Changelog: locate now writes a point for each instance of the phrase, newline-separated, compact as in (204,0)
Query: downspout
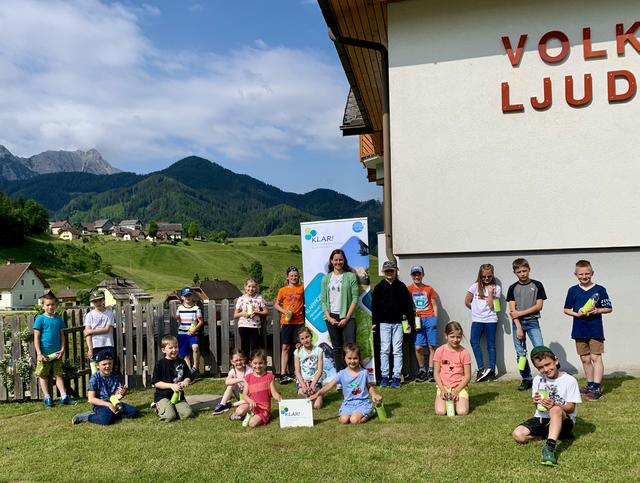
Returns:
(386,128)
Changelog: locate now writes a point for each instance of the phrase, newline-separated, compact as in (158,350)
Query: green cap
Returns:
(539,349)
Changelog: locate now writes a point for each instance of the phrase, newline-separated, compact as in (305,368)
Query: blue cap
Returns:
(417,269)
(185,291)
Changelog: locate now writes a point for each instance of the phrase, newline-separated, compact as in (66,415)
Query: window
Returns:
(20,296)
(34,296)
(22,282)
(33,281)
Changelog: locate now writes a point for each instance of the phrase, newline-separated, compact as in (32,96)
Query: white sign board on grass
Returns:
(295,413)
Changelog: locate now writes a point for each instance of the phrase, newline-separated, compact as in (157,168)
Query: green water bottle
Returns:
(591,303)
(94,367)
(405,326)
(450,405)
(247,419)
(418,322)
(52,357)
(382,414)
(176,397)
(116,401)
(496,305)
(522,363)
(543,394)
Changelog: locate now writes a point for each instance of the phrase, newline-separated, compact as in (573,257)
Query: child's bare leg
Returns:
(432,351)
(357,418)
(462,406)
(345,419)
(242,409)
(587,366)
(284,358)
(439,405)
(420,355)
(60,385)
(226,396)
(195,348)
(187,359)
(598,367)
(556,415)
(44,385)
(255,421)
(317,404)
(522,435)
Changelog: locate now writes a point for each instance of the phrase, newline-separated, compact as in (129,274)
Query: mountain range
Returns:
(192,189)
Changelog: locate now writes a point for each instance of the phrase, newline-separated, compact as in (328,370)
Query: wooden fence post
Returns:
(212,322)
(127,327)
(4,396)
(275,321)
(35,387)
(16,350)
(225,333)
(151,318)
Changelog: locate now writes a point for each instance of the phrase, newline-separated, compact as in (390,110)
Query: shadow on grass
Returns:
(614,380)
(481,399)
(581,428)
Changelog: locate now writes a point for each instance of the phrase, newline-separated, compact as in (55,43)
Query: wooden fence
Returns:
(137,337)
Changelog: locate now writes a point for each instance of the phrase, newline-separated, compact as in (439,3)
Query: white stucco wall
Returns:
(29,287)
(466,176)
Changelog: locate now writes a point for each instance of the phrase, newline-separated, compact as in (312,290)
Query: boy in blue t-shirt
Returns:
(586,302)
(47,338)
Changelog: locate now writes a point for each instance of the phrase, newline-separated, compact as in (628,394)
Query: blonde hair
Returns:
(481,285)
(453,326)
(168,339)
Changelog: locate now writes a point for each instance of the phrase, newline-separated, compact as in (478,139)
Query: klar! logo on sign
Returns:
(312,235)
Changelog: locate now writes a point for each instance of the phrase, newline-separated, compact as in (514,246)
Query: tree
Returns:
(255,272)
(192,229)
(153,228)
(35,217)
(83,297)
(196,279)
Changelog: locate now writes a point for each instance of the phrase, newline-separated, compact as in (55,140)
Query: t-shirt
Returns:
(587,327)
(292,298)
(187,316)
(354,388)
(258,304)
(104,386)
(480,310)
(525,295)
(423,298)
(308,361)
(335,287)
(235,375)
(99,320)
(562,390)
(172,371)
(451,364)
(49,327)
(260,388)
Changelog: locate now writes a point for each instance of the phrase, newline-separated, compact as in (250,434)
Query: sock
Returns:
(63,395)
(551,443)
(595,386)
(431,369)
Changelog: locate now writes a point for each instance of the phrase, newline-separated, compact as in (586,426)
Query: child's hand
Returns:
(592,311)
(314,396)
(519,333)
(454,394)
(376,398)
(176,387)
(252,404)
(41,358)
(121,391)
(112,408)
(89,354)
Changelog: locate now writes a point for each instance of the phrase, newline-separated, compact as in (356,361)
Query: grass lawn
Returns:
(412,445)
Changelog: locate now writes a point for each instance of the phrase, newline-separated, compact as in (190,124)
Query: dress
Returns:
(260,392)
(355,393)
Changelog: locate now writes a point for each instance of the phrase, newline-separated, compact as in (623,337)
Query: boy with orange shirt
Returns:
(290,303)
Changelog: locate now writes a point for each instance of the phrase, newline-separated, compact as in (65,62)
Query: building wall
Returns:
(25,294)
(468,177)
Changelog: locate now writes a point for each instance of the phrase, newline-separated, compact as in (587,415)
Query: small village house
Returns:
(103,227)
(69,234)
(131,224)
(21,285)
(67,297)
(57,226)
(121,292)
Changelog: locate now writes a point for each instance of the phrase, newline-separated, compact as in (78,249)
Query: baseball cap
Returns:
(104,356)
(388,265)
(292,268)
(96,295)
(539,349)
(417,269)
(185,291)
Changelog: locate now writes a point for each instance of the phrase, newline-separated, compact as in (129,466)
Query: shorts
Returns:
(589,346)
(289,333)
(350,406)
(49,368)
(463,394)
(539,427)
(185,341)
(263,413)
(428,333)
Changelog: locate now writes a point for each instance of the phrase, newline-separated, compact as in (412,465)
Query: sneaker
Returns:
(68,400)
(194,373)
(422,376)
(593,395)
(549,456)
(235,417)
(48,402)
(152,405)
(222,408)
(430,377)
(525,384)
(384,382)
(492,376)
(482,374)
(585,389)
(395,382)
(284,379)
(81,417)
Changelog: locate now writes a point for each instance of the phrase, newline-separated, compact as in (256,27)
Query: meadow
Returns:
(412,445)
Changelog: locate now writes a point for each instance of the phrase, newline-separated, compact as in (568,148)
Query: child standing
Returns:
(356,407)
(102,386)
(249,308)
(234,381)
(48,335)
(190,321)
(257,392)
(481,298)
(586,302)
(308,363)
(98,329)
(171,377)
(525,298)
(424,302)
(290,303)
(390,302)
(452,371)
(555,394)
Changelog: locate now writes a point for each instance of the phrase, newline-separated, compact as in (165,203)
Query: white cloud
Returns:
(79,74)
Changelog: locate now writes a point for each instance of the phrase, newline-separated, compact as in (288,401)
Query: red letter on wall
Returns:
(517,57)
(611,85)
(546,102)
(629,36)
(506,106)
(568,91)
(587,47)
(564,51)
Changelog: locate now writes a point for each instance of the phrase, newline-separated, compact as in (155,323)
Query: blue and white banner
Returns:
(319,239)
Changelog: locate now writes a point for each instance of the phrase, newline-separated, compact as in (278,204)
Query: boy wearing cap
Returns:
(103,386)
(190,321)
(290,303)
(556,395)
(390,303)
(98,329)
(424,302)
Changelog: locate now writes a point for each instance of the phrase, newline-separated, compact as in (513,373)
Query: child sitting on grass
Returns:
(170,378)
(308,364)
(102,386)
(234,381)
(258,389)
(356,408)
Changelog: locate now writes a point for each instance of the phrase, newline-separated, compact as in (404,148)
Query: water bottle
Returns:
(543,394)
(418,322)
(591,303)
(496,305)
(52,357)
(249,309)
(522,363)
(450,404)
(247,419)
(176,397)
(115,399)
(288,315)
(405,326)
(94,367)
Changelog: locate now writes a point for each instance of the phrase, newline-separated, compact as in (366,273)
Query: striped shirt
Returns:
(186,317)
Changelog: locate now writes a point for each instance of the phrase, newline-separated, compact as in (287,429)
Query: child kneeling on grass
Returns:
(170,377)
(102,386)
(257,392)
(452,371)
(555,394)
(356,407)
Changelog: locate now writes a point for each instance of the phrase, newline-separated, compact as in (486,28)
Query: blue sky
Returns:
(254,85)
